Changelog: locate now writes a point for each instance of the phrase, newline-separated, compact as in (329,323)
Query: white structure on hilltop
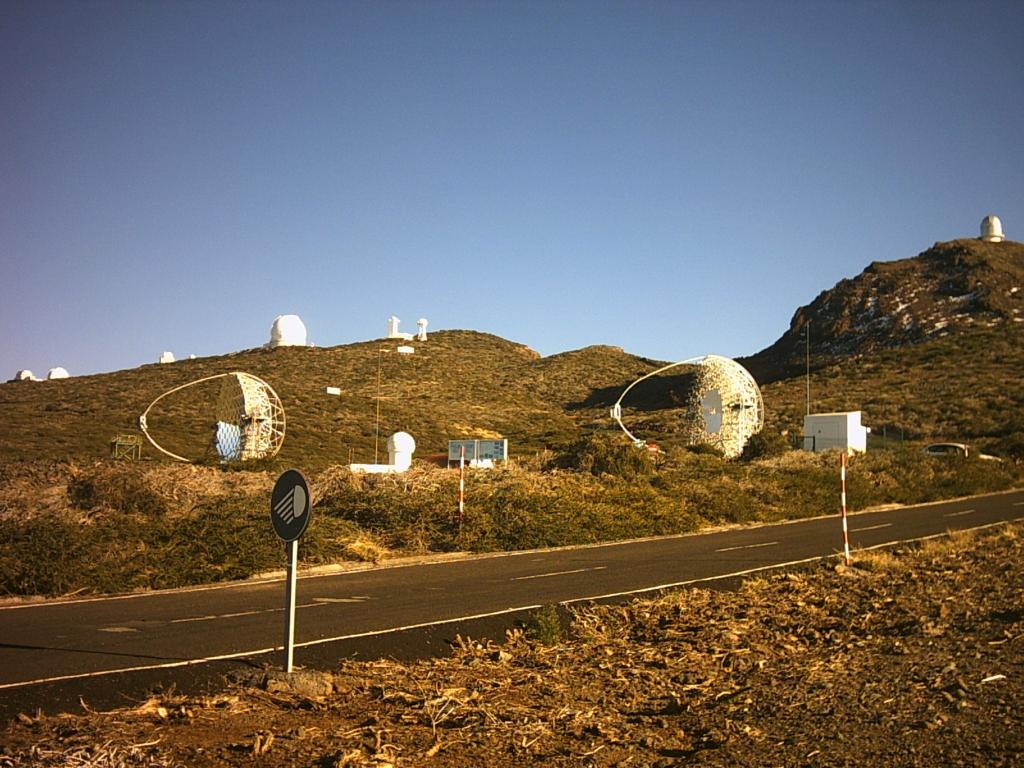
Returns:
(421,329)
(394,333)
(58,373)
(992,229)
(287,331)
(401,447)
(825,431)
(166,357)
(25,375)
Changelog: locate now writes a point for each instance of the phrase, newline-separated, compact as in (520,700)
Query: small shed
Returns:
(825,431)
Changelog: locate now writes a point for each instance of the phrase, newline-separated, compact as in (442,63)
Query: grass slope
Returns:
(967,387)
(458,384)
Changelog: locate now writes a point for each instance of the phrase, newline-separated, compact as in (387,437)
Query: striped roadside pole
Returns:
(846,533)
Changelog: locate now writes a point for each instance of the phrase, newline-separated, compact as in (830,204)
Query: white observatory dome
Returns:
(400,450)
(58,373)
(992,229)
(287,331)
(25,375)
(402,442)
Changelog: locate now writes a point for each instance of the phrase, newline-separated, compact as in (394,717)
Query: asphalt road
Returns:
(52,653)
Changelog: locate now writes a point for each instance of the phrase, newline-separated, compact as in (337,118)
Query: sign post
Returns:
(462,485)
(289,514)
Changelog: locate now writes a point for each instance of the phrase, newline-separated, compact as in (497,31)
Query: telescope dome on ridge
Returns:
(287,331)
(992,229)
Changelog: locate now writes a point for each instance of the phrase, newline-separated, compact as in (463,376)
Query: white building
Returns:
(394,333)
(825,431)
(58,373)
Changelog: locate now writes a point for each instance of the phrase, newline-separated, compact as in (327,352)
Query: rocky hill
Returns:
(952,288)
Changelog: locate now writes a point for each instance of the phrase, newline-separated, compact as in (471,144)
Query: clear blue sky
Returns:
(675,178)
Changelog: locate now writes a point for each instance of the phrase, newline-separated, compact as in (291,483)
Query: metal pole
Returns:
(292,548)
(807,338)
(846,534)
(376,423)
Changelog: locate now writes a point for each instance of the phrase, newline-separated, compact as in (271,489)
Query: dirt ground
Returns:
(907,658)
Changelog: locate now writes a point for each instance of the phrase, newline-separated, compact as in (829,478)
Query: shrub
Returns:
(118,487)
(608,455)
(764,444)
(545,625)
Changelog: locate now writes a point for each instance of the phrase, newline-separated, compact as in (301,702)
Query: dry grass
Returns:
(878,561)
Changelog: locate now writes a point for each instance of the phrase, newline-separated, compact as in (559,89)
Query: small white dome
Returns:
(992,229)
(287,331)
(25,375)
(400,449)
(401,442)
(58,373)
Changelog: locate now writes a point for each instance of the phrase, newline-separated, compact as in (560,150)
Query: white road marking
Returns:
(356,599)
(236,615)
(748,546)
(958,514)
(262,651)
(775,566)
(871,527)
(558,573)
(118,629)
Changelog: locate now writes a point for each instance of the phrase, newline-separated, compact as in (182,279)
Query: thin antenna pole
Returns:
(376,424)
(807,338)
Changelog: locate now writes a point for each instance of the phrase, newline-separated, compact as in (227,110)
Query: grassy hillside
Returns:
(458,384)
(967,388)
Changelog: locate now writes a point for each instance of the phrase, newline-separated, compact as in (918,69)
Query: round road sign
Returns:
(289,505)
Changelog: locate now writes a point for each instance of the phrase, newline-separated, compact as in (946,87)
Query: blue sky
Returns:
(674,178)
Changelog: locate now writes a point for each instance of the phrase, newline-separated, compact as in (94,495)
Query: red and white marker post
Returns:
(846,533)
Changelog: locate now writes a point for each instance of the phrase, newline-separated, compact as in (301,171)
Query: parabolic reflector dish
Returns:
(249,420)
(724,407)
